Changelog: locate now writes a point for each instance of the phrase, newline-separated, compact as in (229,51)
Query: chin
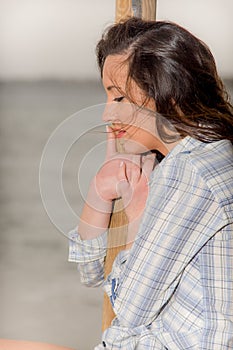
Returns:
(131,147)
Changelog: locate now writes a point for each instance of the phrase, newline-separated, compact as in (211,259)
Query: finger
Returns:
(148,165)
(137,160)
(111,143)
(123,183)
(134,169)
(122,174)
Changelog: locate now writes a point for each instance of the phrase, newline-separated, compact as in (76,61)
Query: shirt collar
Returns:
(184,146)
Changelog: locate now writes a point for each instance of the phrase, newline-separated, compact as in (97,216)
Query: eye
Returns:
(118,99)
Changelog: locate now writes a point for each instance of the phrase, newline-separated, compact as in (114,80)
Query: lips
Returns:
(119,133)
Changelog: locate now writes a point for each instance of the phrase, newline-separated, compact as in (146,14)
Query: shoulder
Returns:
(207,159)
(201,165)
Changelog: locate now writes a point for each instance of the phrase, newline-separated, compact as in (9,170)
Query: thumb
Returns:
(111,143)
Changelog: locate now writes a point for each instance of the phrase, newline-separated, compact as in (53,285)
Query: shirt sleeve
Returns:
(90,256)
(180,217)
(216,267)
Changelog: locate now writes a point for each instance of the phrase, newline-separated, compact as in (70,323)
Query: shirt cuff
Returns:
(84,251)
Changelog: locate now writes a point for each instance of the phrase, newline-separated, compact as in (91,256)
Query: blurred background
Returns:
(47,73)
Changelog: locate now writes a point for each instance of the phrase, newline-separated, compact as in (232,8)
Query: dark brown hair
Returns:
(177,70)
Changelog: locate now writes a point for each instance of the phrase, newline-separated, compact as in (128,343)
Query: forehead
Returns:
(115,69)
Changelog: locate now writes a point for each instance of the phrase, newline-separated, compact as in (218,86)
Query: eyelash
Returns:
(118,99)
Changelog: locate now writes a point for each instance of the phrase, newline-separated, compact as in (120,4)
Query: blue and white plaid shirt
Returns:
(173,289)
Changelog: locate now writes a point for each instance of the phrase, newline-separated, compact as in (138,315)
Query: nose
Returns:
(110,113)
(105,116)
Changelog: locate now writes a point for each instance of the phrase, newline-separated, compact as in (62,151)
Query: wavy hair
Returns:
(177,70)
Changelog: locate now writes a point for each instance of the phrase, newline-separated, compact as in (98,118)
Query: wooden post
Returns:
(149,10)
(116,242)
(123,9)
(118,224)
(138,8)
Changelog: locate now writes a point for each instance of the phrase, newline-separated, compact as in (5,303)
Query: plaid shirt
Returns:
(173,289)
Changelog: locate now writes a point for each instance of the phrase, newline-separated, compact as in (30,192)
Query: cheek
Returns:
(144,125)
(142,138)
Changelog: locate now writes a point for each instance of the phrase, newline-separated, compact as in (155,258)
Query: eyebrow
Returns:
(110,87)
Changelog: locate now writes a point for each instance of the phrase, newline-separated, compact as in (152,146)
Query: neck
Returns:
(165,148)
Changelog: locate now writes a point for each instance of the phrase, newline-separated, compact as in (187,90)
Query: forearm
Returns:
(89,255)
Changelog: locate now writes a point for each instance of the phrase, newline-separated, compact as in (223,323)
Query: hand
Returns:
(97,209)
(133,186)
(123,176)
(106,180)
(105,186)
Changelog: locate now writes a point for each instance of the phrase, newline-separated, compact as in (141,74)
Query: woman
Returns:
(172,287)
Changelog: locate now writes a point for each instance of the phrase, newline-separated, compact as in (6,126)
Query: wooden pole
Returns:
(149,10)
(123,9)
(116,242)
(145,9)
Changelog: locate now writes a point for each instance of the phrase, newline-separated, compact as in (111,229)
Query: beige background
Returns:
(56,38)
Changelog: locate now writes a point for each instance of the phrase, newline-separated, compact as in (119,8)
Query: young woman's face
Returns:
(134,127)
